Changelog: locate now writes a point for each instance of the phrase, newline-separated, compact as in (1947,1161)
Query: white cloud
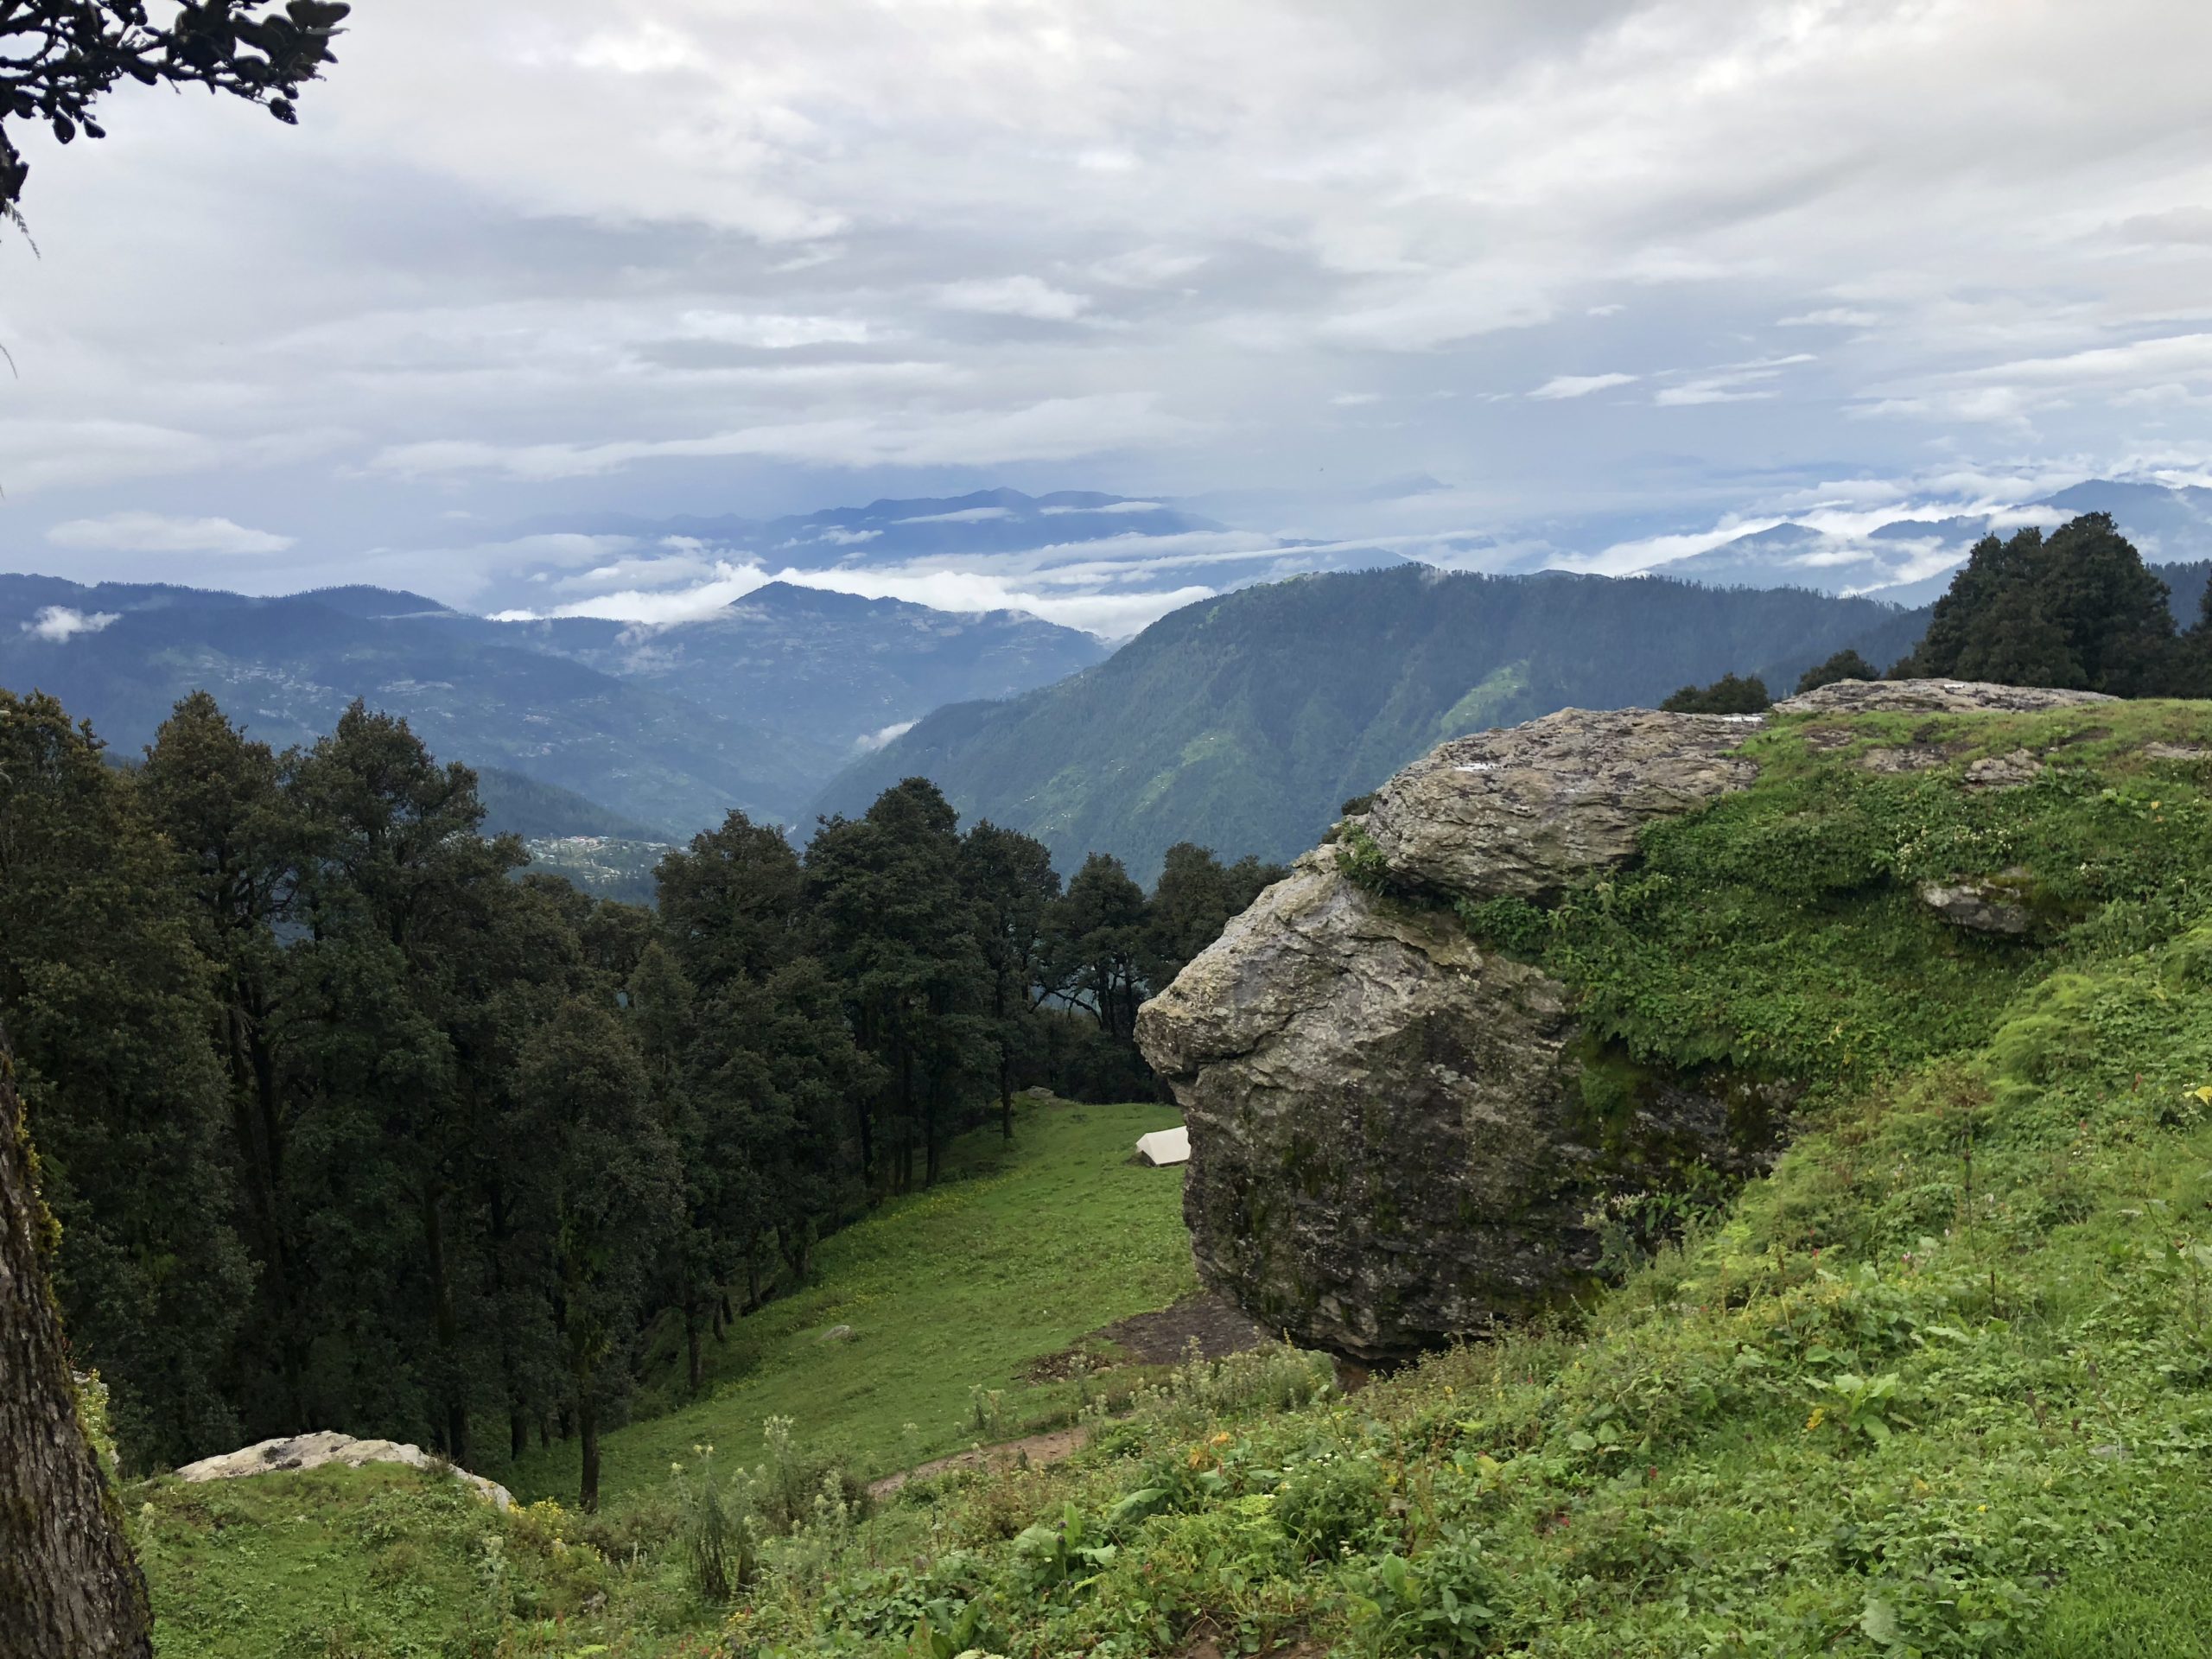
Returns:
(774,332)
(874,740)
(154,532)
(1060,508)
(1834,316)
(963,516)
(1579,385)
(1014,296)
(1056,430)
(59,624)
(953,245)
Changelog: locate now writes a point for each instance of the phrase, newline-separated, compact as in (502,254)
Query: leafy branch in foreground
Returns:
(57,58)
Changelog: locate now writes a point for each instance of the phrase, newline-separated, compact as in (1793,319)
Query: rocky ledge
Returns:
(1388,1147)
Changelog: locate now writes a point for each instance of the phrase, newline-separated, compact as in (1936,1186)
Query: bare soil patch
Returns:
(1218,1324)
(1034,1449)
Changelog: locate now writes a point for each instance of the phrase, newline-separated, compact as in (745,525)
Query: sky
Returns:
(1667,269)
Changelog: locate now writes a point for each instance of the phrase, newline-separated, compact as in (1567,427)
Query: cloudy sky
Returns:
(1660,265)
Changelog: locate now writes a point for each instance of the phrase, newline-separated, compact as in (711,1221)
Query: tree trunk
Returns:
(447,1324)
(587,1425)
(691,1342)
(68,1582)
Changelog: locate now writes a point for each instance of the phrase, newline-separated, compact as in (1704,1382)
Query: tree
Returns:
(896,931)
(1726,696)
(57,58)
(2078,609)
(1098,930)
(220,801)
(729,902)
(401,896)
(1191,902)
(1011,886)
(107,999)
(605,1193)
(68,1582)
(1845,664)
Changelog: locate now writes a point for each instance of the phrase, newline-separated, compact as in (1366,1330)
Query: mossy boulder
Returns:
(1401,1134)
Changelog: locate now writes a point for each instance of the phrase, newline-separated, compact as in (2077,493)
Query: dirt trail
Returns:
(1054,1447)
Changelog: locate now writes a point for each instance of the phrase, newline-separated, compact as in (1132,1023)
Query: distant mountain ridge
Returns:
(1243,721)
(1910,560)
(754,708)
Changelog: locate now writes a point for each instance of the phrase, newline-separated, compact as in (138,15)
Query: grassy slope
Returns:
(1013,1258)
(1942,1384)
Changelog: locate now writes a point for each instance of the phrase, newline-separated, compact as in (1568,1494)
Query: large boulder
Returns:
(1529,809)
(1390,1145)
(1398,1138)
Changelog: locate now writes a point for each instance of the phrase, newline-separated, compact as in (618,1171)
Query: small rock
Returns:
(1981,906)
(836,1333)
(1889,762)
(2002,771)
(2176,751)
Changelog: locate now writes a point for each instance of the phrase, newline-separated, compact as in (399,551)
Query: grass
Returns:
(1941,1384)
(338,1562)
(1014,1257)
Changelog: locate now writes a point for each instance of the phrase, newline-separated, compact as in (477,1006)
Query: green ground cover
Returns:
(1941,1384)
(1016,1253)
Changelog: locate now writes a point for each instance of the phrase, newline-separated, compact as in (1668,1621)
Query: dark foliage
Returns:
(1726,696)
(1845,664)
(59,58)
(347,1126)
(2078,609)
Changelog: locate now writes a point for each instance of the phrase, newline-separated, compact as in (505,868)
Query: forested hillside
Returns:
(1244,721)
(442,1145)
(754,706)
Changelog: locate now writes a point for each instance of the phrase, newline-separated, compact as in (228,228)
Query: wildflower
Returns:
(675,1468)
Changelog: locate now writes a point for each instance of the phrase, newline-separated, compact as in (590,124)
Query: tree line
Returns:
(351,1122)
(2076,609)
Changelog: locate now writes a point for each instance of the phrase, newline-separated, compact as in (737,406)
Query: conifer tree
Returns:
(109,1005)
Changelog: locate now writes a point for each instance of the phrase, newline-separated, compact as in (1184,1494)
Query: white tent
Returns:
(1165,1146)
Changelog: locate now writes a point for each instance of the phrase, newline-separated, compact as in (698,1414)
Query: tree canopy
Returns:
(59,58)
(445,1141)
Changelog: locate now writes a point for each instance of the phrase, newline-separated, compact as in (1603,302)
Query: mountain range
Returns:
(756,707)
(1243,721)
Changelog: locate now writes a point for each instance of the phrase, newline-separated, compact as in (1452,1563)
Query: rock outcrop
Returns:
(1995,906)
(1392,1142)
(1933,697)
(1530,809)
(313,1451)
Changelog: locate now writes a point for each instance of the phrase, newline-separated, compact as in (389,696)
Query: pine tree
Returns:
(2078,609)
(606,1193)
(893,917)
(1011,886)
(109,1004)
